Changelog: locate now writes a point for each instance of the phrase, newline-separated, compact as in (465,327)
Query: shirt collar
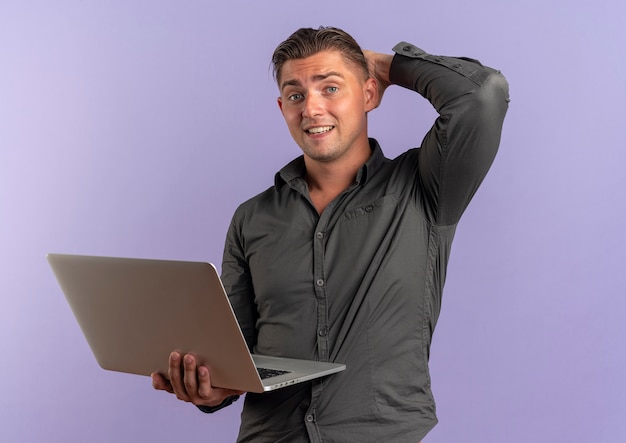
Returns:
(296,168)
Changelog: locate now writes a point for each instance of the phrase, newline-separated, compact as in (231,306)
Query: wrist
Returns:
(383,67)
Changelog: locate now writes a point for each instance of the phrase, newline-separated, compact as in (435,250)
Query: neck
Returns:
(326,180)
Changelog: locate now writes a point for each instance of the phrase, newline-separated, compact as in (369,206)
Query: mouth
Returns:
(319,130)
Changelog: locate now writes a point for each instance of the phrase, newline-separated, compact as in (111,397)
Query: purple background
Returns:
(135,128)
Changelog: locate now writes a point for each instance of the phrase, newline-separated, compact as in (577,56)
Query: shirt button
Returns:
(320,235)
(322,332)
(309,418)
(319,282)
(406,48)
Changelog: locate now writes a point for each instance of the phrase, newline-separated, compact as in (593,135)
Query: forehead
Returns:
(316,67)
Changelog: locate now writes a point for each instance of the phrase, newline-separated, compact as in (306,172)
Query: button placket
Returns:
(320,284)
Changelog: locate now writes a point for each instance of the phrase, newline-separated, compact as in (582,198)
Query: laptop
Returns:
(135,312)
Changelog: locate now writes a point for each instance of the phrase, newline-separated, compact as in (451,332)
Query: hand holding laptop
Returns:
(191,383)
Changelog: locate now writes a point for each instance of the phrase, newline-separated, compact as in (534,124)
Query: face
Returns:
(324,101)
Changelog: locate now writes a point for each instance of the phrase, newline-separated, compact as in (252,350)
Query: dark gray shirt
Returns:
(361,284)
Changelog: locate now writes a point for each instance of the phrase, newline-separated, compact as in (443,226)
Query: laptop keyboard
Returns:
(267,373)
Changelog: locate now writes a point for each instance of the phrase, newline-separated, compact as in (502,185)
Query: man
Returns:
(344,259)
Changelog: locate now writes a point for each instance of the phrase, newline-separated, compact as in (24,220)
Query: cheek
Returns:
(352,110)
(292,118)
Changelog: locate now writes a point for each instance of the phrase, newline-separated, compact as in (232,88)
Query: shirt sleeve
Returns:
(456,153)
(237,281)
(238,285)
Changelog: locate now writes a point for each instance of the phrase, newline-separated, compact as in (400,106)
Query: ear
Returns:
(370,92)
(280,104)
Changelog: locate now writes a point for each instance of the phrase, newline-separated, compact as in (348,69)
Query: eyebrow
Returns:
(318,77)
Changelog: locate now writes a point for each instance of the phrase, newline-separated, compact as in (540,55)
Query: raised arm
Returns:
(456,153)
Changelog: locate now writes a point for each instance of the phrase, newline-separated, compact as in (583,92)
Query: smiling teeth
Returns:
(319,130)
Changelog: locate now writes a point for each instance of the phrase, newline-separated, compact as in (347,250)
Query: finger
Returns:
(204,382)
(190,375)
(206,389)
(175,373)
(161,383)
(214,396)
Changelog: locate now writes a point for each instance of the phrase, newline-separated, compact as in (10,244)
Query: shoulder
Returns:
(254,204)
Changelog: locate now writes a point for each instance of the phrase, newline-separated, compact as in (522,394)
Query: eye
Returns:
(332,89)
(295,97)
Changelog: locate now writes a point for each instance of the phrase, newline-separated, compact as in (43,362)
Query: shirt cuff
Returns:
(405,52)
(227,402)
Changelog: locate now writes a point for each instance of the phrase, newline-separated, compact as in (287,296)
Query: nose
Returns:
(312,105)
